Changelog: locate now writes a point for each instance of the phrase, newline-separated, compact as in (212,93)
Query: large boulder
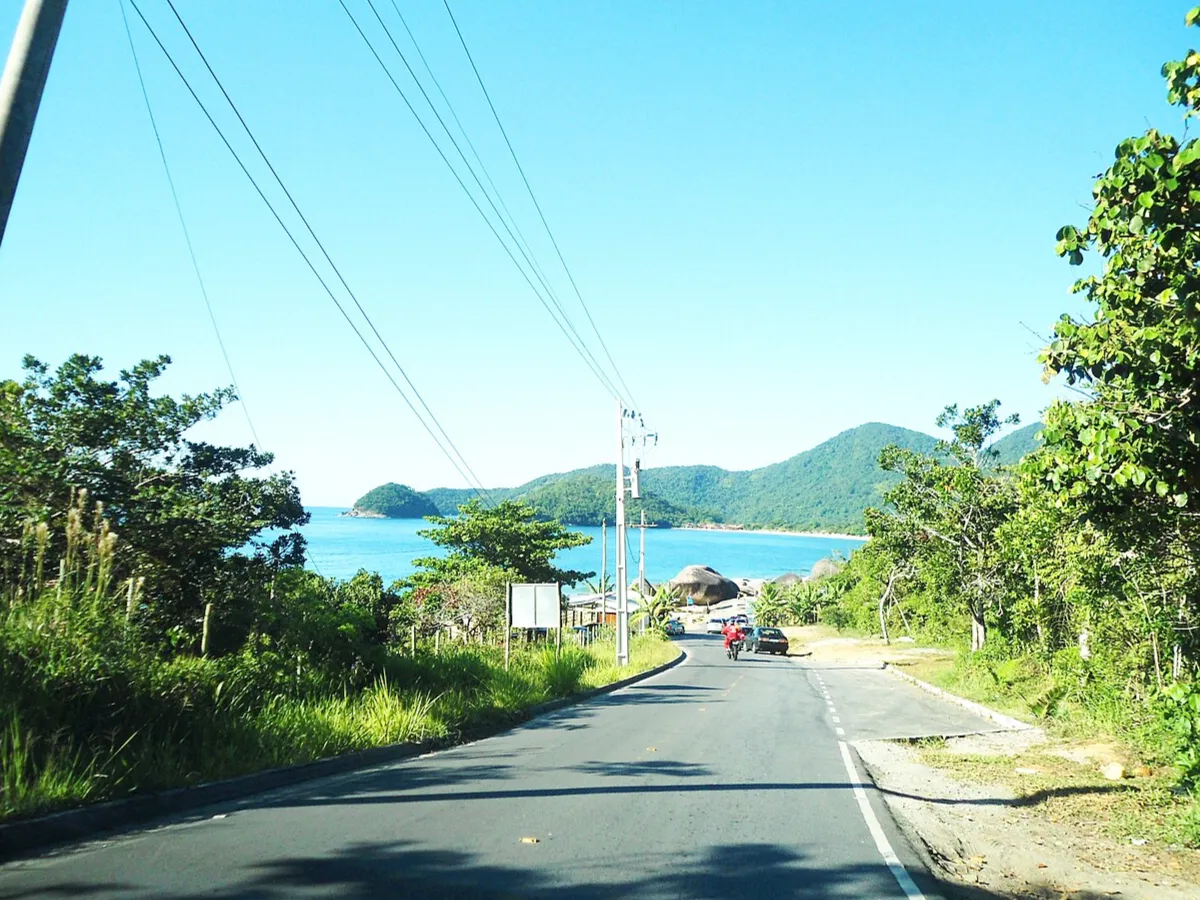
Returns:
(787,579)
(704,585)
(823,568)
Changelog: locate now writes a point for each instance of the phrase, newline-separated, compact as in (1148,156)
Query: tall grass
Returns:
(90,711)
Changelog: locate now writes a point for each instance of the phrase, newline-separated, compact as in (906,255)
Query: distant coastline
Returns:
(356,513)
(837,535)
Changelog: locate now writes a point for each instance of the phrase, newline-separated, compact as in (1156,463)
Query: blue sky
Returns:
(787,218)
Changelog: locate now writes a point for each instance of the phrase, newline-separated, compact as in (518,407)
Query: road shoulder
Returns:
(27,837)
(1016,842)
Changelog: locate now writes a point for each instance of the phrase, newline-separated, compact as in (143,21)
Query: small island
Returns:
(393,501)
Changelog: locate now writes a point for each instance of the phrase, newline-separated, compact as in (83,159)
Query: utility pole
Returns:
(632,484)
(21,88)
(621,587)
(603,569)
(642,569)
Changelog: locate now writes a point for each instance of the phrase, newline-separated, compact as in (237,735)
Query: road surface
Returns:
(713,779)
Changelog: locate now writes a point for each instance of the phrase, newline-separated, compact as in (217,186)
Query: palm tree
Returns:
(658,606)
(769,607)
(801,600)
(600,586)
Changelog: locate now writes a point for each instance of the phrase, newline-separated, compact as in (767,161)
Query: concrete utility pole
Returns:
(621,587)
(21,88)
(642,569)
(603,569)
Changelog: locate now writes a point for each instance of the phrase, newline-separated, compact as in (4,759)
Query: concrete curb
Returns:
(979,709)
(552,705)
(27,835)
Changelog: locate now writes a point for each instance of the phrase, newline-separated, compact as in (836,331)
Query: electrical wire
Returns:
(475,485)
(187,237)
(577,343)
(191,252)
(324,252)
(537,206)
(466,137)
(532,263)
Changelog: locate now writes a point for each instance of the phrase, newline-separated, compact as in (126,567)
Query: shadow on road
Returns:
(366,871)
(412,788)
(652,767)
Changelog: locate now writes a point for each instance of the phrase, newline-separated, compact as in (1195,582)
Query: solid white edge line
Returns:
(911,891)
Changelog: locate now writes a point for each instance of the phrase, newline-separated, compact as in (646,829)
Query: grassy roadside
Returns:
(77,736)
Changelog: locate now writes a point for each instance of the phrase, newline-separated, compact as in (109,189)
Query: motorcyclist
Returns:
(733,632)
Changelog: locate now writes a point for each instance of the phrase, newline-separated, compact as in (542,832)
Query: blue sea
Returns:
(339,546)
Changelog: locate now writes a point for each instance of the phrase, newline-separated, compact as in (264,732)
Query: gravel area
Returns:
(975,835)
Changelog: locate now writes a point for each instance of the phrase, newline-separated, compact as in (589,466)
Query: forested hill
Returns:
(823,489)
(394,501)
(1010,448)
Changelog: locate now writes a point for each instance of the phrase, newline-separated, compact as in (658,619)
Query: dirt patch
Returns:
(1007,812)
(821,644)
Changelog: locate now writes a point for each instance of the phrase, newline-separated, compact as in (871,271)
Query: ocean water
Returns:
(339,546)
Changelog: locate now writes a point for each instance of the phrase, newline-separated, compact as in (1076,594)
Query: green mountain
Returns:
(825,488)
(822,489)
(1012,447)
(394,501)
(581,497)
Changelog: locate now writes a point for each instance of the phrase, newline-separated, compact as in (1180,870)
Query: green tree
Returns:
(770,606)
(658,606)
(184,509)
(508,536)
(946,509)
(600,585)
(1129,454)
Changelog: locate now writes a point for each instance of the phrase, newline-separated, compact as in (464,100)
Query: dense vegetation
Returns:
(824,489)
(1076,573)
(395,501)
(150,637)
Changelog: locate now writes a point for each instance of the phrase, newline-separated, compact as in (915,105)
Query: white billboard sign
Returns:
(535,606)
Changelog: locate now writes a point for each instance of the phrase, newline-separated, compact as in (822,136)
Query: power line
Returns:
(324,252)
(320,245)
(567,329)
(476,485)
(532,263)
(187,237)
(466,137)
(537,205)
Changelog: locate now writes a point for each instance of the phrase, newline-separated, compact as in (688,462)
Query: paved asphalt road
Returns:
(713,779)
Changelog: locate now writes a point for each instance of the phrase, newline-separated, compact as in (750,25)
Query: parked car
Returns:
(674,627)
(714,625)
(767,640)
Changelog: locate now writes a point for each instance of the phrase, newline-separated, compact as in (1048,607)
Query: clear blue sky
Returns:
(788,218)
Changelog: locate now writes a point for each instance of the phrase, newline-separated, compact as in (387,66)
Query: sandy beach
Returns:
(816,534)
